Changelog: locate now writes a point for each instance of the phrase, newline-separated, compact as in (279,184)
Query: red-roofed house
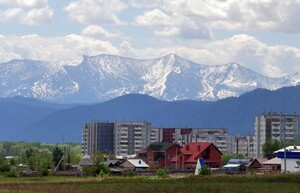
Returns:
(159,154)
(189,154)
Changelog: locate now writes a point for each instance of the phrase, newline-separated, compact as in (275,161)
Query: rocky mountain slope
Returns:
(103,77)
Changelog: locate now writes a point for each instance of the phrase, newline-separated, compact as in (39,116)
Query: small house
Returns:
(86,160)
(134,164)
(256,164)
(272,166)
(160,154)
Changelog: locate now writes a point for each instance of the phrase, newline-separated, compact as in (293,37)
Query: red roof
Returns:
(193,149)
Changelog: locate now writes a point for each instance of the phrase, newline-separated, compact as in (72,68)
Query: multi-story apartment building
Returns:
(172,135)
(119,138)
(97,136)
(183,136)
(131,137)
(274,126)
(216,136)
(242,145)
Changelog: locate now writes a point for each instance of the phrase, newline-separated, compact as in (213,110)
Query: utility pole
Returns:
(284,149)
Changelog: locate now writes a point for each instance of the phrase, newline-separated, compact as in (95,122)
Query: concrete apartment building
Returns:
(216,136)
(131,137)
(274,126)
(240,145)
(182,136)
(119,138)
(97,136)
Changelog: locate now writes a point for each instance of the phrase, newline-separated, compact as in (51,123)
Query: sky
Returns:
(262,35)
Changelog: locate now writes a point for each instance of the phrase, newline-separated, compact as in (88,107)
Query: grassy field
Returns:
(289,183)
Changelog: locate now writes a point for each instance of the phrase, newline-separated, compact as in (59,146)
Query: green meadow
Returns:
(283,183)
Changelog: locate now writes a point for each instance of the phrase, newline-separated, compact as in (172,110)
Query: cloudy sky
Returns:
(263,35)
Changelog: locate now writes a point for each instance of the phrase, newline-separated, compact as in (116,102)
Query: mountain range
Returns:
(32,120)
(104,77)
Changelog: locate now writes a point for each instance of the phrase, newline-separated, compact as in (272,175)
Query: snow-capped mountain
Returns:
(103,77)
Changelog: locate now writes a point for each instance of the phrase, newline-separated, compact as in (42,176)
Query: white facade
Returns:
(274,127)
(291,158)
(240,145)
(131,137)
(216,136)
(292,165)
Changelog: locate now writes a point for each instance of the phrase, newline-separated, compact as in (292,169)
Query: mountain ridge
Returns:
(103,77)
(237,114)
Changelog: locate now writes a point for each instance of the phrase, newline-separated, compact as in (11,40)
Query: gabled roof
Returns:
(259,160)
(86,160)
(138,163)
(161,146)
(112,162)
(274,161)
(289,148)
(194,149)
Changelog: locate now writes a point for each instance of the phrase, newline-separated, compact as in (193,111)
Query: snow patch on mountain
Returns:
(103,77)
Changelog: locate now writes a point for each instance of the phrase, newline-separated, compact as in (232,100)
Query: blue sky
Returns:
(262,35)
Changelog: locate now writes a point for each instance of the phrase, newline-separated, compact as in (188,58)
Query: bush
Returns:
(128,173)
(205,171)
(102,170)
(161,172)
(11,174)
(45,172)
(88,171)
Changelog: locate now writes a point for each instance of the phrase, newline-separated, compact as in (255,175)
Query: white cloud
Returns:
(126,49)
(97,12)
(31,12)
(145,3)
(154,18)
(52,48)
(172,25)
(98,31)
(207,15)
(272,61)
(25,3)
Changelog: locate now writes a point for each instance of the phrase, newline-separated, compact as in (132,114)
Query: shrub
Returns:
(128,173)
(161,172)
(88,171)
(205,171)
(45,172)
(11,174)
(102,169)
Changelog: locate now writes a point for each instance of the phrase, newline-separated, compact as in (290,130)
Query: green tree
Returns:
(57,154)
(100,168)
(269,147)
(98,157)
(29,157)
(4,166)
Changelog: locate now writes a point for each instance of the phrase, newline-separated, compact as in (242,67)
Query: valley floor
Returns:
(288,183)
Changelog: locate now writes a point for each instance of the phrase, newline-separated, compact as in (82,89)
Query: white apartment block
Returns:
(131,137)
(242,145)
(216,136)
(274,126)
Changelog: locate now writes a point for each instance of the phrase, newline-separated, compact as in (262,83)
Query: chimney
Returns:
(199,147)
